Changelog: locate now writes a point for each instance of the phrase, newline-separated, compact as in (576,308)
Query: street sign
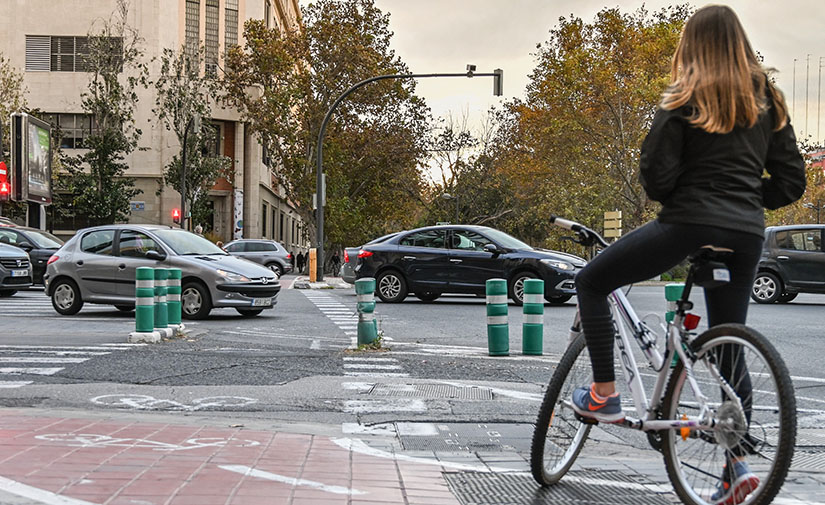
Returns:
(613,224)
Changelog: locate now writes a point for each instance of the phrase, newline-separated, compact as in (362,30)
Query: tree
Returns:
(375,141)
(182,94)
(12,99)
(575,139)
(814,192)
(97,181)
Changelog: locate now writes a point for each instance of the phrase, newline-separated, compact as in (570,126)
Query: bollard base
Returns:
(137,337)
(165,332)
(177,328)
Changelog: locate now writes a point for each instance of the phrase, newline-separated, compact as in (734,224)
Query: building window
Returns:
(263,220)
(211,55)
(281,228)
(231,25)
(211,140)
(272,224)
(193,20)
(73,128)
(64,54)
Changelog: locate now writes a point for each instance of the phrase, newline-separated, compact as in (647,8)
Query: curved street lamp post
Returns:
(498,77)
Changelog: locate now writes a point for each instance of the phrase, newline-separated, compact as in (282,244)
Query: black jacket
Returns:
(716,179)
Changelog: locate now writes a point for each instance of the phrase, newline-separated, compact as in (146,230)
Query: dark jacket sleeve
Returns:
(786,167)
(660,160)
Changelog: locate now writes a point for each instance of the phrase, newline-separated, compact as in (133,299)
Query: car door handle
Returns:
(409,257)
(79,263)
(455,260)
(783,258)
(122,266)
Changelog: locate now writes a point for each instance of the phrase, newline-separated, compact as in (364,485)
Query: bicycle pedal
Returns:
(585,420)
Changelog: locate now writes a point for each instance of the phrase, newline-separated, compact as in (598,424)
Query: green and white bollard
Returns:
(673,292)
(365,296)
(173,302)
(498,332)
(532,328)
(161,310)
(144,306)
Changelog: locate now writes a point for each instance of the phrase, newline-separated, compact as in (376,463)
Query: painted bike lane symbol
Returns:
(146,402)
(91,440)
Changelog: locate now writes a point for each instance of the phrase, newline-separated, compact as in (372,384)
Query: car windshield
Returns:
(506,240)
(44,240)
(185,243)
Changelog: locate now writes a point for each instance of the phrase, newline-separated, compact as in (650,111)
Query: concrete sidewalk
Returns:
(83,460)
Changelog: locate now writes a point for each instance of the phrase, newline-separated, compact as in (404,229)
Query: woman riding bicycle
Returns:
(719,125)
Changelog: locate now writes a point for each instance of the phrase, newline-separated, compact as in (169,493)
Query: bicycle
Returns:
(752,414)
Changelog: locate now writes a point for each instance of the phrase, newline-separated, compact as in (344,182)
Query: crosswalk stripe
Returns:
(32,359)
(58,353)
(374,367)
(376,374)
(384,360)
(13,384)
(101,347)
(29,370)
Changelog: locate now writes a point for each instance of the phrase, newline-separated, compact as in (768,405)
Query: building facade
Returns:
(44,39)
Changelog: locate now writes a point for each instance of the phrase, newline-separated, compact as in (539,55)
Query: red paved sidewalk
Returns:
(118,462)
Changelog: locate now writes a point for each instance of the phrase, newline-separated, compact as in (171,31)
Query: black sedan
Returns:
(459,259)
(39,244)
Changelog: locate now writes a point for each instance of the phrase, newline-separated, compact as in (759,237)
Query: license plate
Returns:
(261,302)
(19,273)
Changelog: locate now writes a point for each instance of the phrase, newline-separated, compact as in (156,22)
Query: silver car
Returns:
(15,270)
(98,265)
(268,253)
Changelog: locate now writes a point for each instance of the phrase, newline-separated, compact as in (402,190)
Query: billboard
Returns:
(31,159)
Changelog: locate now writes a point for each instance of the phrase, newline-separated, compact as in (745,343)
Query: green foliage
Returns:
(182,94)
(814,196)
(375,141)
(12,99)
(100,191)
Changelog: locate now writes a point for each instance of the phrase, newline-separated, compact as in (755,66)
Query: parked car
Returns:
(98,265)
(268,253)
(459,259)
(793,262)
(39,244)
(15,270)
(351,257)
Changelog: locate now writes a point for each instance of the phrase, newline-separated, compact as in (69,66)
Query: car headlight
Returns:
(232,276)
(561,265)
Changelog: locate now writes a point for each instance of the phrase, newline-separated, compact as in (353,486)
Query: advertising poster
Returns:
(39,143)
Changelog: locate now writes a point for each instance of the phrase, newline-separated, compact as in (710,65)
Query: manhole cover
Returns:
(433,391)
(591,487)
(470,437)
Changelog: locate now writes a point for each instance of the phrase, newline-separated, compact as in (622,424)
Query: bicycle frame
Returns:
(627,321)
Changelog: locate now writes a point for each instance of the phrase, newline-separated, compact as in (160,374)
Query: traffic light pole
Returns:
(497,74)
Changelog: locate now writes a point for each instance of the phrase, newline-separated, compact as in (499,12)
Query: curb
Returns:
(302,282)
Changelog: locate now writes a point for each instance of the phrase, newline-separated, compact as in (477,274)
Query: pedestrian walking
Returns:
(300,261)
(336,263)
(720,124)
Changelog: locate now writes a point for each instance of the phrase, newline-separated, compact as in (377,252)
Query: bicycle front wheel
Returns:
(559,436)
(751,397)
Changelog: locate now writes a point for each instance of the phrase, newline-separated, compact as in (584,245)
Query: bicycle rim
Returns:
(559,436)
(757,423)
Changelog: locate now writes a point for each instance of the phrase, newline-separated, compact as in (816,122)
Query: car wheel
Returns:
(195,302)
(391,287)
(517,286)
(767,288)
(276,269)
(125,308)
(66,298)
(558,300)
(249,312)
(8,292)
(787,297)
(427,296)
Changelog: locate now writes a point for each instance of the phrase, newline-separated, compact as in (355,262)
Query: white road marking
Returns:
(13,384)
(30,371)
(384,360)
(316,344)
(381,406)
(39,495)
(358,386)
(372,367)
(22,359)
(251,472)
(375,374)
(57,353)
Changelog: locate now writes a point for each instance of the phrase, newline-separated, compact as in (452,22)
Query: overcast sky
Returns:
(445,35)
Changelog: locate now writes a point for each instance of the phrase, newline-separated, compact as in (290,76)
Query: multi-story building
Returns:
(44,39)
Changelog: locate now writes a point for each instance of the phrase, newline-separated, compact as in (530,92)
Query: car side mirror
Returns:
(155,255)
(493,249)
(25,246)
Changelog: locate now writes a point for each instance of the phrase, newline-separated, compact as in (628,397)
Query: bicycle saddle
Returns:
(709,269)
(710,253)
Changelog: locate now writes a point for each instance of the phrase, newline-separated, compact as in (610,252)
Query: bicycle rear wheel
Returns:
(559,436)
(756,424)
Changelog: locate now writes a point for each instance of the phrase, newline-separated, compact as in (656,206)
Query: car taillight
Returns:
(346,256)
(288,256)
(363,253)
(52,259)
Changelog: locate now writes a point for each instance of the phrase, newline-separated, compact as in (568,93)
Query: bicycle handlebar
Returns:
(586,236)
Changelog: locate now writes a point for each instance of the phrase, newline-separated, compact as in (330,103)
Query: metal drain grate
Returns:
(472,437)
(441,391)
(808,461)
(592,487)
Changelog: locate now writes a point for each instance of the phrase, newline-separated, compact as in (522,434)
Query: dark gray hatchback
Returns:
(793,262)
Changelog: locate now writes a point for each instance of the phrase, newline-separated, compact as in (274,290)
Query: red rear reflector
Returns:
(52,259)
(346,256)
(691,321)
(288,256)
(363,253)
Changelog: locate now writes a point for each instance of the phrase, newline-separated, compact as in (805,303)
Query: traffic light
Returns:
(176,216)
(5,191)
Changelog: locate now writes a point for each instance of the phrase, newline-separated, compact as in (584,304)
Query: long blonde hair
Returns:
(716,71)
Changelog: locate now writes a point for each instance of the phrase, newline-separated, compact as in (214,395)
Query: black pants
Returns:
(648,251)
